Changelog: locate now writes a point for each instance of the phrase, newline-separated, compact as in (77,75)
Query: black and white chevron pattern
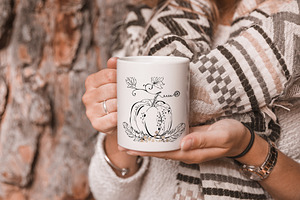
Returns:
(173,25)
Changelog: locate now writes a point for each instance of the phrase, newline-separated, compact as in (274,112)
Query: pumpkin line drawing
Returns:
(151,119)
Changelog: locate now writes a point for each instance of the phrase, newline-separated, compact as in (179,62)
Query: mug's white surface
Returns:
(153,102)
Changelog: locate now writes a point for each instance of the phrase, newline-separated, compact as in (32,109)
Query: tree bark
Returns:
(47,49)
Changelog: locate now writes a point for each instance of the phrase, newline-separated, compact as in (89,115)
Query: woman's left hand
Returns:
(224,138)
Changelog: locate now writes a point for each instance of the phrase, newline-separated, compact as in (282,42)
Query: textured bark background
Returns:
(47,49)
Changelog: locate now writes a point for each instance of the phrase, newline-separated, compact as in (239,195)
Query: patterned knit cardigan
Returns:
(257,69)
(258,65)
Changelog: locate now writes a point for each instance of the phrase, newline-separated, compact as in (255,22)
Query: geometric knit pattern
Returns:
(241,79)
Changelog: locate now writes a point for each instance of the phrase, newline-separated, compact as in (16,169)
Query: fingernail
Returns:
(186,145)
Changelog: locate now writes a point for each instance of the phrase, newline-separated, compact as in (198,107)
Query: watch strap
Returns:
(263,171)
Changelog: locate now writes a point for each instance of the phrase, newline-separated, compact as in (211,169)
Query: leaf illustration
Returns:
(128,130)
(137,136)
(158,82)
(173,134)
(169,133)
(179,130)
(180,127)
(131,82)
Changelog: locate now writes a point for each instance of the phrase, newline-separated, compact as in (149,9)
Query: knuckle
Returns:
(89,115)
(201,143)
(84,99)
(87,82)
(95,125)
(110,75)
(87,98)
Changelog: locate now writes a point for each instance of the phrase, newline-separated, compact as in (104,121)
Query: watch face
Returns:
(252,175)
(252,172)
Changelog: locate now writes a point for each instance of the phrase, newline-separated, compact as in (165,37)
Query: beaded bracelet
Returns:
(249,145)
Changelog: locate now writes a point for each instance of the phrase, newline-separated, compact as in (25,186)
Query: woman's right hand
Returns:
(102,86)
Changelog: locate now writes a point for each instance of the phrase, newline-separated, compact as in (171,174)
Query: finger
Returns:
(97,110)
(123,149)
(202,139)
(166,154)
(190,157)
(112,63)
(120,148)
(188,142)
(100,78)
(111,106)
(106,123)
(105,92)
(201,155)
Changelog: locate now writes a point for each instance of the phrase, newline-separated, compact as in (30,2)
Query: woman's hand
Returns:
(224,138)
(100,87)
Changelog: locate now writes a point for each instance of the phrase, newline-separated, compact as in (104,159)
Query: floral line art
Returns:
(168,136)
(151,119)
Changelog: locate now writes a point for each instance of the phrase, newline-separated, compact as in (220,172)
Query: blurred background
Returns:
(47,49)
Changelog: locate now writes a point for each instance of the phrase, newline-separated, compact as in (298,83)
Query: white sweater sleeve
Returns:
(106,185)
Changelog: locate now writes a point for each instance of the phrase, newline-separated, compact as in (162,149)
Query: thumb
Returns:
(112,63)
(201,138)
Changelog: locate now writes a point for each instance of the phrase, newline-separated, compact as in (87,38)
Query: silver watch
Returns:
(263,171)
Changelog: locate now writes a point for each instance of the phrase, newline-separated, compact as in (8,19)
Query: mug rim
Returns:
(154,59)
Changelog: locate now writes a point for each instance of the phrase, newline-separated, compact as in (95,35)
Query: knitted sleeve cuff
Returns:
(105,184)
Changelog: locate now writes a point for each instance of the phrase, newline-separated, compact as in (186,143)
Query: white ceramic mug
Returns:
(153,102)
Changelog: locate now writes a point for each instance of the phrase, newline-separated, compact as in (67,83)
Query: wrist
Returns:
(258,159)
(119,161)
(247,132)
(257,154)
(261,172)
